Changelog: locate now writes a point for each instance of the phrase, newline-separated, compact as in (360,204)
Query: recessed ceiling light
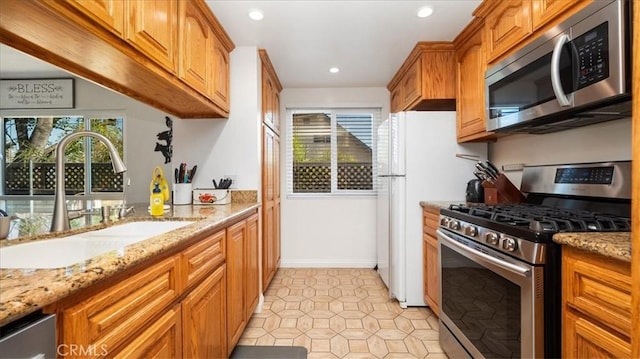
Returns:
(256,15)
(334,70)
(425,11)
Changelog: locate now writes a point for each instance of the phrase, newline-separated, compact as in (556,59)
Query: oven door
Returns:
(491,304)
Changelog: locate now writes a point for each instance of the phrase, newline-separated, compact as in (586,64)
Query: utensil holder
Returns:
(182,193)
(501,191)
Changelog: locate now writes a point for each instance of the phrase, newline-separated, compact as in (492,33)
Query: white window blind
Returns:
(331,151)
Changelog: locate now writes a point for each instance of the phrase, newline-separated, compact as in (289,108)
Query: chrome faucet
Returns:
(60,219)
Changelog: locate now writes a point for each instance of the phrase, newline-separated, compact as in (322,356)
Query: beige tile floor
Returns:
(341,313)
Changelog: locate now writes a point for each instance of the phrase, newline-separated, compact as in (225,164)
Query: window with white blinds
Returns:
(331,151)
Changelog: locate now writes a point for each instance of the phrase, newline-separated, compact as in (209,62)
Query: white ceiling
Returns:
(367,40)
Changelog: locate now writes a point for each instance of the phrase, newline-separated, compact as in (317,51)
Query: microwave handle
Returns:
(562,98)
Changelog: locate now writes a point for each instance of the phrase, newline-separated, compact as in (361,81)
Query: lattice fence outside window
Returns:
(311,177)
(44,178)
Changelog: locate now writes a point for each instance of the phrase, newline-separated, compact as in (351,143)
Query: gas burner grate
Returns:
(542,219)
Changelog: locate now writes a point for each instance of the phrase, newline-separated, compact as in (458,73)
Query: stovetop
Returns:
(534,222)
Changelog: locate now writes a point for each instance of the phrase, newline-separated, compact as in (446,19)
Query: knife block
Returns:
(501,191)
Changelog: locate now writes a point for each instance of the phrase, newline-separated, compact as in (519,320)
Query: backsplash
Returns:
(609,141)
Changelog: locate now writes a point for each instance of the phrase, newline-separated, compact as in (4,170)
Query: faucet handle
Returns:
(106,214)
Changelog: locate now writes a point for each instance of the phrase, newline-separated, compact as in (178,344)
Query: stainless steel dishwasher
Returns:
(33,337)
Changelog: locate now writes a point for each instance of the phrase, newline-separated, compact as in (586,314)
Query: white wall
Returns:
(609,141)
(227,146)
(328,231)
(142,124)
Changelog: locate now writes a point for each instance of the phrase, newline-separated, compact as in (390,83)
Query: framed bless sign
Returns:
(36,93)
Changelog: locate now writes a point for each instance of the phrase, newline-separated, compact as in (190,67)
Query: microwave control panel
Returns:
(592,50)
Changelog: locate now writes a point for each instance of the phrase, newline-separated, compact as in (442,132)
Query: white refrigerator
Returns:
(416,161)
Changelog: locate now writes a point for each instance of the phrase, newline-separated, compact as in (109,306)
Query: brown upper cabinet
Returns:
(426,79)
(151,28)
(506,24)
(171,55)
(108,13)
(511,24)
(471,65)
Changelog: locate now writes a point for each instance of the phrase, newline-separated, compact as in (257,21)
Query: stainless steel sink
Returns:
(66,251)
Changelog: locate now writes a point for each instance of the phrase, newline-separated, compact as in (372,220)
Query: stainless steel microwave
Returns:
(576,74)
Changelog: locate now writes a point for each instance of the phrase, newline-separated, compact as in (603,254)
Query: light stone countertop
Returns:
(609,244)
(23,291)
(437,205)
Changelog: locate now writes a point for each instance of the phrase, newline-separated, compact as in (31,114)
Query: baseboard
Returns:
(313,263)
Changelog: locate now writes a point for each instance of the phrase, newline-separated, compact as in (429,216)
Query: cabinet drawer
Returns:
(108,318)
(202,258)
(162,339)
(586,339)
(598,287)
(430,220)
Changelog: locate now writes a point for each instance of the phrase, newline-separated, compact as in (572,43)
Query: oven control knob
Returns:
(491,238)
(471,231)
(444,221)
(454,225)
(509,244)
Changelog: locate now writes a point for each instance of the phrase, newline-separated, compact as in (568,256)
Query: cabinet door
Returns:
(275,107)
(268,91)
(236,319)
(584,338)
(162,339)
(107,318)
(412,84)
(432,296)
(506,25)
(196,47)
(544,11)
(203,318)
(220,90)
(108,13)
(270,203)
(153,29)
(470,99)
(253,266)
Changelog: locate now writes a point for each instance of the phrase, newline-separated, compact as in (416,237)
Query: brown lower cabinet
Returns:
(242,277)
(431,284)
(191,304)
(596,305)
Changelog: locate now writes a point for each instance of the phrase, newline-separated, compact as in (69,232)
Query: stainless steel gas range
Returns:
(500,271)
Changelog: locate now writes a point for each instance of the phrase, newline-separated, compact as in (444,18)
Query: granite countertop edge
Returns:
(437,205)
(23,291)
(616,245)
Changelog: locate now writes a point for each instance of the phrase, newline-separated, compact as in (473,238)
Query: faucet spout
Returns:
(60,219)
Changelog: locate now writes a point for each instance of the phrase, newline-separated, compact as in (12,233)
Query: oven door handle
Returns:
(524,272)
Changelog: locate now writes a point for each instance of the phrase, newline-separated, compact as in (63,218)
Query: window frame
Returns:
(87,116)
(376,113)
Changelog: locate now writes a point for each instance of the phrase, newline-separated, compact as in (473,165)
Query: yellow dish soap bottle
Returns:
(156,201)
